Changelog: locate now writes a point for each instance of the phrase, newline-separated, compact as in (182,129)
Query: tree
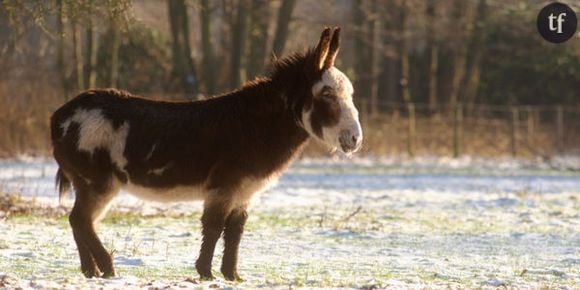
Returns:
(284,17)
(239,36)
(117,11)
(258,37)
(60,61)
(471,79)
(404,48)
(462,15)
(183,65)
(362,52)
(92,47)
(78,54)
(206,47)
(432,53)
(389,75)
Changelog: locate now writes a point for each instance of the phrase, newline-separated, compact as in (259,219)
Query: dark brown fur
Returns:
(253,132)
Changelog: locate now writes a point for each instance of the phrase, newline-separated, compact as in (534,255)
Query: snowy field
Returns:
(362,223)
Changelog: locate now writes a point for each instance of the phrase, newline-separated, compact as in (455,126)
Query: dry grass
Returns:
(25,109)
(389,135)
(12,204)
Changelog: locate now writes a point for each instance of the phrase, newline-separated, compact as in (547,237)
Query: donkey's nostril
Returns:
(350,141)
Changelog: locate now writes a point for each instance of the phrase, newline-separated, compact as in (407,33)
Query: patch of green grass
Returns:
(262,220)
(151,272)
(28,218)
(123,218)
(322,275)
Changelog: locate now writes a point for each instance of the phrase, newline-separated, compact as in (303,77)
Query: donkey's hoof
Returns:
(91,273)
(204,272)
(206,277)
(109,274)
(233,276)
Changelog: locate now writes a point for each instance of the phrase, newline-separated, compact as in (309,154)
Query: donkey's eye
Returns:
(327,93)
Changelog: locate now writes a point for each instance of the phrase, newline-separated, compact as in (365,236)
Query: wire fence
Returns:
(475,130)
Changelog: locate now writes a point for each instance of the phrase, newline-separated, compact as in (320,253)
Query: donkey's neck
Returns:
(261,118)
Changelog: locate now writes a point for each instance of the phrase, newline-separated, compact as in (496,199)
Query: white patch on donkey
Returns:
(96,131)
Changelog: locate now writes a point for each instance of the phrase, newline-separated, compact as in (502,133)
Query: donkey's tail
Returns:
(63,185)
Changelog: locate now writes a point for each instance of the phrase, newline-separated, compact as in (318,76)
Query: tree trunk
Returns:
(176,47)
(461,13)
(60,63)
(92,56)
(224,33)
(362,54)
(115,56)
(258,35)
(190,81)
(406,78)
(375,43)
(91,50)
(284,17)
(207,49)
(390,76)
(405,65)
(239,35)
(183,67)
(78,56)
(471,80)
(432,54)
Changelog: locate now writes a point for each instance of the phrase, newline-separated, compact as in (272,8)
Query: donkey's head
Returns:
(328,112)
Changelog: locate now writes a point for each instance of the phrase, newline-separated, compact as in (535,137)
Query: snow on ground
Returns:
(372,222)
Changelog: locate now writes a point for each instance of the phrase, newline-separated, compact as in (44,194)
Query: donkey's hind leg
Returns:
(234,228)
(90,204)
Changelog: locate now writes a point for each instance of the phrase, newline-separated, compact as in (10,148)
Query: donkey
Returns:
(221,150)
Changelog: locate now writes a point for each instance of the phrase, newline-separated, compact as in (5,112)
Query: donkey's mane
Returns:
(294,60)
(281,74)
(264,93)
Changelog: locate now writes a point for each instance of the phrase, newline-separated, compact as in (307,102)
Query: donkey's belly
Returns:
(173,194)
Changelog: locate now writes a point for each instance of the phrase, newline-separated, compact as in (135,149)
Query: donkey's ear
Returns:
(333,49)
(321,50)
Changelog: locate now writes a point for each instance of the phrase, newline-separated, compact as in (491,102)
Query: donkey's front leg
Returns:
(234,228)
(212,220)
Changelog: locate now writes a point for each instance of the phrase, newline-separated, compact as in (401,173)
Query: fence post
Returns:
(560,128)
(531,124)
(514,130)
(411,130)
(457,125)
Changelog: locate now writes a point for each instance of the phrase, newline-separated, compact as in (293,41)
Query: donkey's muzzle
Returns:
(350,140)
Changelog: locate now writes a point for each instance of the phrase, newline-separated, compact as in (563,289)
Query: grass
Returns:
(492,220)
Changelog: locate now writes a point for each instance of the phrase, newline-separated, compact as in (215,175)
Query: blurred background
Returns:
(437,78)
